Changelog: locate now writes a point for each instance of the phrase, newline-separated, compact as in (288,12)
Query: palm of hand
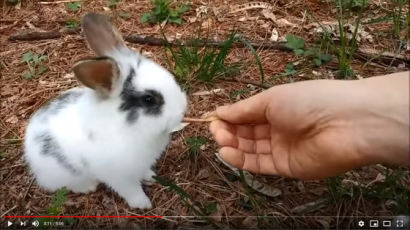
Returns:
(306,142)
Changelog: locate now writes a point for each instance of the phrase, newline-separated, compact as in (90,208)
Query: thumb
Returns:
(251,110)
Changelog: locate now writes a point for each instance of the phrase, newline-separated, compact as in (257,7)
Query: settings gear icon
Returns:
(361,223)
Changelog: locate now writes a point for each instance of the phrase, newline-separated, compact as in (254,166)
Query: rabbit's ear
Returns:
(99,74)
(100,34)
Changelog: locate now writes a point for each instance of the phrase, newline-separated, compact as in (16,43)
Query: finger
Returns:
(257,163)
(225,138)
(251,110)
(261,131)
(219,124)
(261,146)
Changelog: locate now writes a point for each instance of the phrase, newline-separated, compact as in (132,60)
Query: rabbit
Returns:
(113,129)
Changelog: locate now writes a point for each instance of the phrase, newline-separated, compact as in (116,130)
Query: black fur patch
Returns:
(150,101)
(54,106)
(50,147)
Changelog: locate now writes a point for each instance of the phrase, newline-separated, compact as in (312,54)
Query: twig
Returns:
(57,2)
(28,189)
(33,36)
(11,209)
(208,119)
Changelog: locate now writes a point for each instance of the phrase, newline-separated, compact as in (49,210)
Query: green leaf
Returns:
(325,57)
(172,186)
(72,23)
(290,69)
(293,42)
(124,15)
(183,8)
(175,20)
(146,17)
(41,69)
(27,57)
(36,59)
(210,208)
(28,75)
(73,6)
(173,14)
(57,202)
(317,62)
(310,52)
(194,145)
(298,52)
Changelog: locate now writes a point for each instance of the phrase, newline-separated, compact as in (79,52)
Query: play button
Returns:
(9,223)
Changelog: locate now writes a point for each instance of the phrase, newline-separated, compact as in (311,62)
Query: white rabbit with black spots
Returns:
(110,131)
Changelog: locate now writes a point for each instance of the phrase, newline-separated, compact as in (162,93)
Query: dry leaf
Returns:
(283,23)
(275,35)
(180,127)
(203,174)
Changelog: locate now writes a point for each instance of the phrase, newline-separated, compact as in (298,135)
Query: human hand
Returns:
(316,129)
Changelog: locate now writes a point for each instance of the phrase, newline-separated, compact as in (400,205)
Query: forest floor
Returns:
(189,161)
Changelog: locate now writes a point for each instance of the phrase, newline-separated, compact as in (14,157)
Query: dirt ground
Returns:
(206,179)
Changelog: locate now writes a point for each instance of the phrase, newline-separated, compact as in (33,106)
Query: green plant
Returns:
(318,56)
(33,62)
(55,209)
(112,3)
(297,45)
(392,188)
(57,202)
(72,23)
(397,16)
(194,145)
(161,12)
(2,154)
(124,15)
(205,64)
(73,6)
(346,48)
(239,92)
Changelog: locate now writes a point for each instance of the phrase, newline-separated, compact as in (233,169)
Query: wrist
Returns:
(382,129)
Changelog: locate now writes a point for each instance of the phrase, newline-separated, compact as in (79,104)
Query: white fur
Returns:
(98,142)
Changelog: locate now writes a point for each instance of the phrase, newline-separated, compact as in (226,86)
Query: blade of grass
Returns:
(256,57)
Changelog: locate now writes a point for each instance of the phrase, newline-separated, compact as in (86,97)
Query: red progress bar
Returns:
(82,216)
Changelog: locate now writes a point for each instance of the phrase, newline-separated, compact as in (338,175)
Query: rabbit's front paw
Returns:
(140,201)
(148,180)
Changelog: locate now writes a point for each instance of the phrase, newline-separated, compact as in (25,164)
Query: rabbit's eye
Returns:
(148,100)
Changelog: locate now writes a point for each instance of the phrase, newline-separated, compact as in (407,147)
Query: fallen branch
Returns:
(363,54)
(34,36)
